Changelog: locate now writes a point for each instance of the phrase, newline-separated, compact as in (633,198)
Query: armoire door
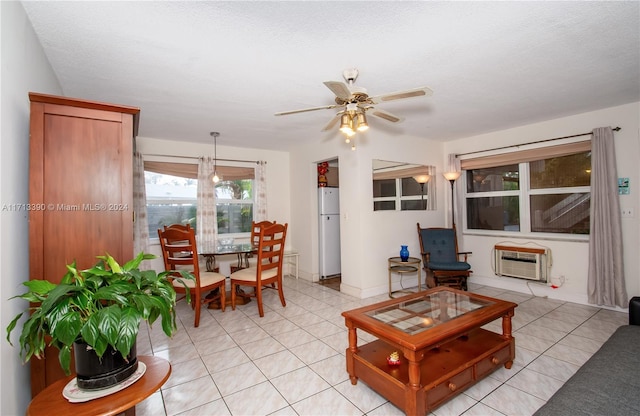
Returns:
(81,173)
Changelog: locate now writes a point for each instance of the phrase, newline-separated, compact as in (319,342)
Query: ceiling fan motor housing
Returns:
(350,74)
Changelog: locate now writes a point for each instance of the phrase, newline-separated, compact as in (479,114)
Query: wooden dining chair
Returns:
(267,273)
(180,253)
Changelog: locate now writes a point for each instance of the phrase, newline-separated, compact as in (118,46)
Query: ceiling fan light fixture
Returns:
(353,102)
(362,122)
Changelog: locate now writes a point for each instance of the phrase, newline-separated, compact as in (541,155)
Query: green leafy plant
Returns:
(100,306)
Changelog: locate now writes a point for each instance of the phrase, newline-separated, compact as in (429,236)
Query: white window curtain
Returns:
(207,225)
(140,224)
(431,188)
(260,204)
(605,283)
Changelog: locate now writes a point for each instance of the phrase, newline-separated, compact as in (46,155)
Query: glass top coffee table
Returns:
(441,346)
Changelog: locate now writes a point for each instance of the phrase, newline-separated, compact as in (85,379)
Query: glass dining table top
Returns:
(236,248)
(421,313)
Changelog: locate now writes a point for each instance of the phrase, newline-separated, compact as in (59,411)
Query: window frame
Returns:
(171,166)
(524,192)
(238,202)
(398,198)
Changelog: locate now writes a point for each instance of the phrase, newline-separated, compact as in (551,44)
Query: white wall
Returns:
(24,68)
(569,258)
(368,238)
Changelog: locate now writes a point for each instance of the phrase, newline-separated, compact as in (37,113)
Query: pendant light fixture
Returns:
(215,178)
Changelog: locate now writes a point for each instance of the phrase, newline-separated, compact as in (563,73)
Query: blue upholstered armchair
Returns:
(444,264)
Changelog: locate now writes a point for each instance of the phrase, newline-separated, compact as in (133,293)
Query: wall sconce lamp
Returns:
(422,179)
(452,177)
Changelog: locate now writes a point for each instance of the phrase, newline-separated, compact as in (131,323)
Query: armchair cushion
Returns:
(453,266)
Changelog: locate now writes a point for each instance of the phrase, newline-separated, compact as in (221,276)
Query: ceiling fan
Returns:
(354,104)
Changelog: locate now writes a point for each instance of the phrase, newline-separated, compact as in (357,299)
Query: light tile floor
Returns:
(291,361)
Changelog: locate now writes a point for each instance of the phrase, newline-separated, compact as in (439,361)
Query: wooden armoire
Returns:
(80,193)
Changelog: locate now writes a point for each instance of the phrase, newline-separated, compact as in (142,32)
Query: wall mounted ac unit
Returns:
(522,262)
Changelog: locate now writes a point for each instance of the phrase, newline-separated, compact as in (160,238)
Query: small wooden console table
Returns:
(50,401)
(443,349)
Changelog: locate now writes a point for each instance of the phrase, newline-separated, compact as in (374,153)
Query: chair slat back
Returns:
(255,230)
(179,250)
(271,239)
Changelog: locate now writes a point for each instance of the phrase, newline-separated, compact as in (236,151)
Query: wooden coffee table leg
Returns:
(506,333)
(353,348)
(415,402)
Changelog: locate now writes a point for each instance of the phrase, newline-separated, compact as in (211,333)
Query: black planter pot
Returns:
(95,373)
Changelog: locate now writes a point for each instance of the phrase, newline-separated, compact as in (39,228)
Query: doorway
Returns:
(329,221)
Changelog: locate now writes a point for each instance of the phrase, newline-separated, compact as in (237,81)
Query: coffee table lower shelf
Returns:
(444,371)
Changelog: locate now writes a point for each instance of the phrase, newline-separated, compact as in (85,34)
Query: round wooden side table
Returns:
(50,401)
(412,265)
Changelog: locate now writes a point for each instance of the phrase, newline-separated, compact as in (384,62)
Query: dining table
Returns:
(242,250)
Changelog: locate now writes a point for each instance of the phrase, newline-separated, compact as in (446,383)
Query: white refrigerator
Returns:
(329,231)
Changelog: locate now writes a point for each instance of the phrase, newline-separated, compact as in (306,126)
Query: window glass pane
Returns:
(500,178)
(494,213)
(412,204)
(234,218)
(161,214)
(560,213)
(241,189)
(384,187)
(170,200)
(410,187)
(384,205)
(561,172)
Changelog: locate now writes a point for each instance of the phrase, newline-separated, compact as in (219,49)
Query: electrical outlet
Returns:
(627,213)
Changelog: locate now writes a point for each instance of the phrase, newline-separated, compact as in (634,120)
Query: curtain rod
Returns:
(524,144)
(196,158)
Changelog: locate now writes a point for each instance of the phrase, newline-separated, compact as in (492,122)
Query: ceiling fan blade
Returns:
(304,110)
(416,92)
(340,89)
(384,115)
(331,124)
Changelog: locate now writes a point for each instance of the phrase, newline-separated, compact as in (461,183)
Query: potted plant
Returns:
(98,311)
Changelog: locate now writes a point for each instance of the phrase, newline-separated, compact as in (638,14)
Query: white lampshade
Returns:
(422,178)
(451,176)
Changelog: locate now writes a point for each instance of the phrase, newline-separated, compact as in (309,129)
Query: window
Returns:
(234,206)
(403,194)
(396,186)
(549,195)
(172,199)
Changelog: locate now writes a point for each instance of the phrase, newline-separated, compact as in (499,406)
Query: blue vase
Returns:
(404,253)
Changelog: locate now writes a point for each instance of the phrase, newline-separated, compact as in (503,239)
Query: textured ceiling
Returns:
(196,67)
